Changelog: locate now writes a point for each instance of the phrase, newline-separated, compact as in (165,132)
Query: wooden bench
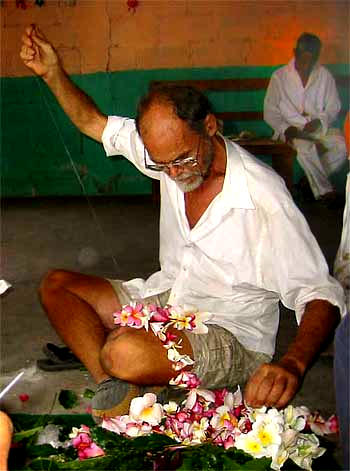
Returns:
(282,155)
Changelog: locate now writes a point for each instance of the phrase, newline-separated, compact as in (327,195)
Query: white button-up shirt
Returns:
(289,103)
(251,248)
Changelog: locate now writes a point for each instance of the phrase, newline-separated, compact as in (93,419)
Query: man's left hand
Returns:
(312,126)
(272,385)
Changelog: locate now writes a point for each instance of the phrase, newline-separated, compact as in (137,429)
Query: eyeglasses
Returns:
(177,163)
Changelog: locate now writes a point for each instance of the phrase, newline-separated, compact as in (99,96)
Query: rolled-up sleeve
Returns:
(300,273)
(120,137)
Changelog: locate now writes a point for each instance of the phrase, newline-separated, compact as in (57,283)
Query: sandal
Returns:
(58,359)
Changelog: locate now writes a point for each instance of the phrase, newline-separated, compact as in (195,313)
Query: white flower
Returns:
(250,443)
(116,424)
(280,458)
(307,448)
(237,397)
(146,409)
(209,396)
(135,429)
(171,407)
(222,418)
(180,361)
(188,317)
(295,417)
(198,429)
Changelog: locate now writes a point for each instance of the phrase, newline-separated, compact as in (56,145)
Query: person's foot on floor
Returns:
(113,397)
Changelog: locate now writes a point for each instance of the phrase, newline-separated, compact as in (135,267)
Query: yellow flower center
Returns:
(265,437)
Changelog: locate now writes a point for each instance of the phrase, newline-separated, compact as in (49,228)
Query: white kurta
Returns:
(288,103)
(251,248)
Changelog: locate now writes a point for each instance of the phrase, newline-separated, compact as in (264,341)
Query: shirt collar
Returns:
(235,192)
(313,75)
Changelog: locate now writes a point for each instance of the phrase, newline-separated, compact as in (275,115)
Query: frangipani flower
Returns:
(307,448)
(182,319)
(189,318)
(295,417)
(146,409)
(180,361)
(136,429)
(224,417)
(185,380)
(280,458)
(250,443)
(132,315)
(198,430)
(82,441)
(116,424)
(197,394)
(171,407)
(320,426)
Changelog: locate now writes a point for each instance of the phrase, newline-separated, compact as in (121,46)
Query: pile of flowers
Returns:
(221,418)
(216,417)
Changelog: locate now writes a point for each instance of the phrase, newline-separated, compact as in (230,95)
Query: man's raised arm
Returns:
(40,56)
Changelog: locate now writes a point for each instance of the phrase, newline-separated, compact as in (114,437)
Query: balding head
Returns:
(187,104)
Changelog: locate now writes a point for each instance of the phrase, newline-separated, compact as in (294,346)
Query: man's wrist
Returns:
(293,365)
(53,74)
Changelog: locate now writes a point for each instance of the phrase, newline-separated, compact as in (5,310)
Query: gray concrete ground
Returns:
(114,237)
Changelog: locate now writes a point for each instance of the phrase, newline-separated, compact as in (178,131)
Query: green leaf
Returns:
(44,464)
(88,393)
(67,398)
(42,450)
(19,436)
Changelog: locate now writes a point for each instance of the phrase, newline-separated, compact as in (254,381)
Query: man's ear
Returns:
(211,125)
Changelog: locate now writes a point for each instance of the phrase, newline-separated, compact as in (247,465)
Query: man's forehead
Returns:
(162,131)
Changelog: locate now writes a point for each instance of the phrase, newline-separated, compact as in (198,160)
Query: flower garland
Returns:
(219,417)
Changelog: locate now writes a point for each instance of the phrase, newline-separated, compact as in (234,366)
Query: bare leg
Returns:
(139,357)
(80,308)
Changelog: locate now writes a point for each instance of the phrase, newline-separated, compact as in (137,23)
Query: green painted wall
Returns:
(39,144)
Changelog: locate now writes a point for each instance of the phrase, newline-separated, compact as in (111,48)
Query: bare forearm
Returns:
(275,384)
(317,325)
(77,105)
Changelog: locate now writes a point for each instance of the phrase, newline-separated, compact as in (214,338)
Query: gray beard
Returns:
(199,176)
(193,185)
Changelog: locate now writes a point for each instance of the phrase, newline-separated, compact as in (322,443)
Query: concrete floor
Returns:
(112,237)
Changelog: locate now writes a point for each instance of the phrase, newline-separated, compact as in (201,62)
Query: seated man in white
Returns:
(301,104)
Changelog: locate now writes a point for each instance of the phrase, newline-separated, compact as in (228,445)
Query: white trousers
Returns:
(318,168)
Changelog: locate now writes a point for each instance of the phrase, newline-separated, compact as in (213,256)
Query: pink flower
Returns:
(24,397)
(186,380)
(91,451)
(333,424)
(220,395)
(82,441)
(319,426)
(131,315)
(159,314)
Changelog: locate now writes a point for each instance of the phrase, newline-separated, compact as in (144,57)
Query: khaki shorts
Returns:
(220,360)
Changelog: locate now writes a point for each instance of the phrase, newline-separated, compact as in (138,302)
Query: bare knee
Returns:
(125,357)
(136,357)
(51,282)
(116,357)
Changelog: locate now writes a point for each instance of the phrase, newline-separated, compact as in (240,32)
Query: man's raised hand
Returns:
(37,53)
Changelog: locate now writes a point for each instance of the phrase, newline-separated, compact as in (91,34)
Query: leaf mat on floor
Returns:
(143,453)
